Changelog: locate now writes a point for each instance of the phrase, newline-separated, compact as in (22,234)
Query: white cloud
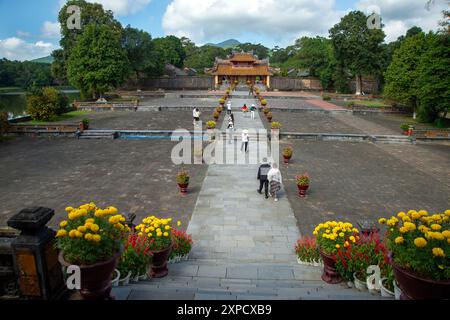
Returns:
(51,30)
(400,15)
(17,49)
(280,21)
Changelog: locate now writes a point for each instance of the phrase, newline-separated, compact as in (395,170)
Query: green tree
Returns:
(433,79)
(258,49)
(171,50)
(44,104)
(144,59)
(401,75)
(357,48)
(91,13)
(97,62)
(204,57)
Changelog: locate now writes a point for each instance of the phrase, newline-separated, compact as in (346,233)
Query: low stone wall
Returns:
(311,83)
(47,130)
(176,83)
(93,106)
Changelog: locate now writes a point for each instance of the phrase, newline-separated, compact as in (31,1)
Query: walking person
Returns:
(275,181)
(229,107)
(252,111)
(230,128)
(263,178)
(245,140)
(196,115)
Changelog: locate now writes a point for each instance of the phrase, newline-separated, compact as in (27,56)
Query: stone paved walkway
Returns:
(243,243)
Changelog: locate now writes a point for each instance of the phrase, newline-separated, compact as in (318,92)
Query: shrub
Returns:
(91,234)
(45,104)
(211,124)
(420,243)
(182,243)
(276,125)
(404,127)
(351,104)
(326,97)
(216,115)
(307,250)
(136,256)
(264,102)
(85,121)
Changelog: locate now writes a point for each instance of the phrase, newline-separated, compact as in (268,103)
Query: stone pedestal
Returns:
(35,256)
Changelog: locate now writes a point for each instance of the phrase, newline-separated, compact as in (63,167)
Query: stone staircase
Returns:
(99,134)
(391,139)
(214,280)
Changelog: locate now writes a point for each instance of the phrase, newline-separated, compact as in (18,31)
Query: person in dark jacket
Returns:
(262,177)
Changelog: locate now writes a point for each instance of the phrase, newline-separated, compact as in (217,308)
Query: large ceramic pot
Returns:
(330,274)
(286,159)
(96,278)
(159,264)
(415,287)
(183,187)
(302,190)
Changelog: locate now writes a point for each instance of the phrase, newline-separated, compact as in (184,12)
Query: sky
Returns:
(29,28)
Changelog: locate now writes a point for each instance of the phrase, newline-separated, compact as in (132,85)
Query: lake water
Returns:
(15,104)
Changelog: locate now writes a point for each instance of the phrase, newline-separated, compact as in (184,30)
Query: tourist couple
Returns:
(269,175)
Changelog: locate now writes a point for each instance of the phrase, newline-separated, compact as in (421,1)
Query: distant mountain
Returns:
(47,60)
(231,43)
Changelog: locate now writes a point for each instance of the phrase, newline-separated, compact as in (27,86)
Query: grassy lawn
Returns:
(367,103)
(63,117)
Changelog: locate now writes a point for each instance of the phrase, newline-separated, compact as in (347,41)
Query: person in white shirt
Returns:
(229,107)
(196,115)
(245,140)
(275,181)
(230,131)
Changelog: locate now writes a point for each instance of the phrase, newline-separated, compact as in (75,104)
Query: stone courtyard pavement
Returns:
(243,243)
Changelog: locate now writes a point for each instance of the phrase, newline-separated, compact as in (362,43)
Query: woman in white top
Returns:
(245,140)
(196,115)
(275,180)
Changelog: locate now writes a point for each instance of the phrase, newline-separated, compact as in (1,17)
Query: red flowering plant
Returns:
(307,250)
(182,243)
(355,258)
(136,256)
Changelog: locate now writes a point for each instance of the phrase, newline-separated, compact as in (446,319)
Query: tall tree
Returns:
(142,55)
(171,50)
(433,78)
(401,75)
(90,13)
(97,62)
(357,48)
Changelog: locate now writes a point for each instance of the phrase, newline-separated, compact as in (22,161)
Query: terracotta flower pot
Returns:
(302,190)
(183,187)
(96,278)
(415,287)
(330,274)
(159,265)
(286,159)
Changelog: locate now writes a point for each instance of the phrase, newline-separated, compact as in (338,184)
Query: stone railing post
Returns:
(35,256)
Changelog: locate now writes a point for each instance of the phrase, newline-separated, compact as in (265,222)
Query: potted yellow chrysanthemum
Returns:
(159,234)
(420,248)
(331,237)
(91,238)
